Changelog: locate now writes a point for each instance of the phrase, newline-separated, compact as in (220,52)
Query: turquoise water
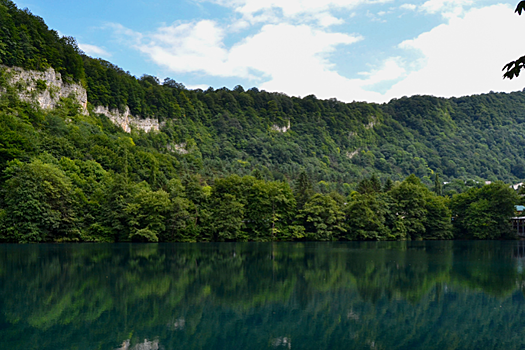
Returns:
(359,295)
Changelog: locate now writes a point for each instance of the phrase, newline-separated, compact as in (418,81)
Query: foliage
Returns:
(322,218)
(27,42)
(147,213)
(484,213)
(38,204)
(514,68)
(425,215)
(222,168)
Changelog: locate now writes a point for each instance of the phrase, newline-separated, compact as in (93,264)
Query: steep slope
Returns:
(220,132)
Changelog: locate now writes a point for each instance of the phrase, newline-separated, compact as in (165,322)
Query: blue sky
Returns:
(352,50)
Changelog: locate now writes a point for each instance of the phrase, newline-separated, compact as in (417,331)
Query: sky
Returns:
(351,50)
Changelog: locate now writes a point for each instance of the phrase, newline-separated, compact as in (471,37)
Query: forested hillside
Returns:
(241,164)
(472,138)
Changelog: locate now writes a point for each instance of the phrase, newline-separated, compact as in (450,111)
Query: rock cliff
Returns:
(46,89)
(125,120)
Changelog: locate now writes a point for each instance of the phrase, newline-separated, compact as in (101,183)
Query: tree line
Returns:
(50,200)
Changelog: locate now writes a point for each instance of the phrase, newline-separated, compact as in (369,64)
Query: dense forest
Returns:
(244,164)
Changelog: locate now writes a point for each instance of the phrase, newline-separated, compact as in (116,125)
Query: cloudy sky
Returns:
(362,50)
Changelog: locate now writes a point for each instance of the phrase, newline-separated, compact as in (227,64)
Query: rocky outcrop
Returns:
(125,120)
(351,155)
(45,88)
(372,123)
(281,129)
(178,148)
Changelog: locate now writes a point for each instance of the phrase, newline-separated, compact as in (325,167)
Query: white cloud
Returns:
(434,6)
(268,11)
(325,19)
(198,86)
(281,57)
(198,47)
(189,47)
(410,7)
(461,57)
(391,70)
(313,79)
(184,47)
(466,55)
(93,50)
(447,8)
(293,58)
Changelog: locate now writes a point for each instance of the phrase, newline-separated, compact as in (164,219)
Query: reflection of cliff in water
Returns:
(214,296)
(146,345)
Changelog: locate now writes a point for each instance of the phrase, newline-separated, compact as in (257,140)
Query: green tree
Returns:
(303,190)
(437,185)
(322,218)
(425,215)
(375,184)
(373,217)
(484,213)
(270,207)
(146,214)
(227,218)
(38,204)
(438,223)
(366,218)
(410,197)
(389,184)
(228,202)
(369,186)
(199,201)
(114,196)
(181,218)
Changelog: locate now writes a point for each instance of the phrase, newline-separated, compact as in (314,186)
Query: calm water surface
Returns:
(390,295)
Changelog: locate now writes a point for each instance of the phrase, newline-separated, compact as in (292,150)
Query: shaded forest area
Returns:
(244,165)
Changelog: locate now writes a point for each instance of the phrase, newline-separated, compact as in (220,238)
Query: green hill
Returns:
(100,183)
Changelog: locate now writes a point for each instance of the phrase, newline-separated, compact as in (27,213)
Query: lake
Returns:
(357,295)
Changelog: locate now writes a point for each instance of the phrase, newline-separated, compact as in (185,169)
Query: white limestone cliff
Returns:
(46,96)
(125,120)
(46,89)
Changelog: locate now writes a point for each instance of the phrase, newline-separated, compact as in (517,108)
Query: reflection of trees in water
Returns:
(486,266)
(318,295)
(402,270)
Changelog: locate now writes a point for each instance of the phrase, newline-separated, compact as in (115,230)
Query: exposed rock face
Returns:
(46,88)
(281,129)
(373,123)
(178,148)
(351,155)
(126,120)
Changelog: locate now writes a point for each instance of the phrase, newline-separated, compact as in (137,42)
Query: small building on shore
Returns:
(518,221)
